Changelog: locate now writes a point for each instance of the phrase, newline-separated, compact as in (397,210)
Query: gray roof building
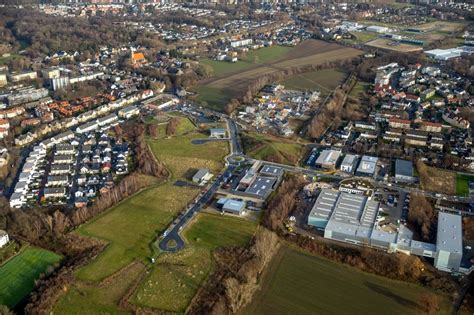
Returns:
(261,187)
(404,171)
(328,159)
(233,206)
(270,170)
(449,242)
(367,166)
(349,163)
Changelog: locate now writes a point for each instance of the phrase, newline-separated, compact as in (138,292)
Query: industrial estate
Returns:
(229,157)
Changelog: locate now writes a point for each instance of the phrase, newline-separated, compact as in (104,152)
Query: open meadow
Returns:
(324,80)
(299,283)
(233,81)
(19,273)
(273,149)
(176,277)
(131,227)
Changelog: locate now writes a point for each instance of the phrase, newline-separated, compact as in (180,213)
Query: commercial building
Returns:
(352,219)
(322,208)
(367,166)
(233,206)
(404,171)
(217,133)
(349,163)
(449,242)
(328,159)
(272,171)
(261,187)
(202,175)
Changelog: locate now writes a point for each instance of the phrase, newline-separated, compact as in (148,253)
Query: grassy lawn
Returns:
(359,88)
(131,227)
(273,149)
(462,184)
(176,277)
(18,274)
(299,283)
(324,80)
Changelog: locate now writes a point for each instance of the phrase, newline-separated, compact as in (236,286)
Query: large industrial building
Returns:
(328,159)
(352,218)
(449,242)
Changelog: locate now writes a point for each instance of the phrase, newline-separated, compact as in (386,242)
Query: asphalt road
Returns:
(173,232)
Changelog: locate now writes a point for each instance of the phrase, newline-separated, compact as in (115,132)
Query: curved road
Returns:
(173,232)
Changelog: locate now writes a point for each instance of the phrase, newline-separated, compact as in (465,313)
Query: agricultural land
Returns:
(231,80)
(299,283)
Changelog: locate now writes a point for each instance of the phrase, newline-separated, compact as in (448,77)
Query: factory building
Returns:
(449,242)
(352,219)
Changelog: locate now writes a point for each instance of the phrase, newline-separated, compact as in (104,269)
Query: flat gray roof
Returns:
(383,236)
(272,170)
(261,186)
(367,164)
(324,205)
(449,236)
(233,205)
(403,167)
(328,157)
(349,160)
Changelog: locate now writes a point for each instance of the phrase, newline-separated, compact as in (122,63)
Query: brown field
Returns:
(311,52)
(436,179)
(383,44)
(441,26)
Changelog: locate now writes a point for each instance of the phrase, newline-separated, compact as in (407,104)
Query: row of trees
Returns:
(331,112)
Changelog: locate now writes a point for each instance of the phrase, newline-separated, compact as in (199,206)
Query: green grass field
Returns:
(252,57)
(324,80)
(18,274)
(84,298)
(462,184)
(175,279)
(299,283)
(131,227)
(273,149)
